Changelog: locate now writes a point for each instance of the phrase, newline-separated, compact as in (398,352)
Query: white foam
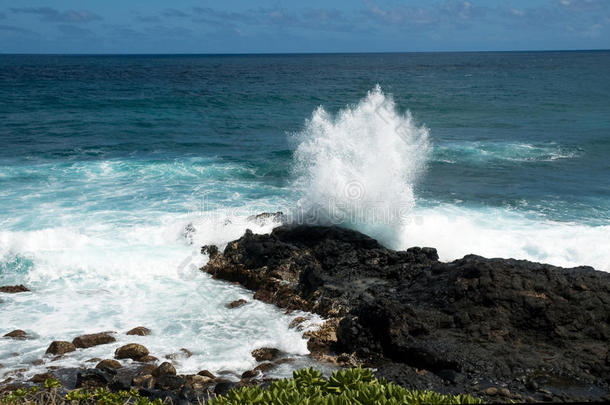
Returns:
(358,168)
(108,278)
(497,232)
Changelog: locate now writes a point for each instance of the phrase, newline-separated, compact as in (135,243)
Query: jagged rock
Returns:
(139,331)
(13,289)
(236,304)
(93,378)
(265,354)
(223,387)
(210,250)
(424,323)
(133,351)
(108,363)
(93,360)
(94,339)
(60,347)
(143,381)
(297,322)
(170,382)
(17,334)
(261,218)
(164,368)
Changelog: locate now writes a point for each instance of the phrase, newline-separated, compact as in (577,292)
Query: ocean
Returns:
(115,170)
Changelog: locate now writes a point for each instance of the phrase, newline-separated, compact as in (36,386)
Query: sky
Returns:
(275,26)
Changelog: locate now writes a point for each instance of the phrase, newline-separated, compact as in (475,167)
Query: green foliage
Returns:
(345,387)
(51,383)
(101,396)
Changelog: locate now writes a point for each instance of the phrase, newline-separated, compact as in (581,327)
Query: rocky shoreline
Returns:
(502,329)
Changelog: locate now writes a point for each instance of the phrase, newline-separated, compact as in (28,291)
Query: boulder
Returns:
(13,289)
(94,339)
(60,347)
(17,334)
(265,354)
(139,331)
(108,363)
(206,373)
(164,368)
(132,351)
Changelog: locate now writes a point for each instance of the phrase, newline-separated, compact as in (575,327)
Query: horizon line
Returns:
(285,53)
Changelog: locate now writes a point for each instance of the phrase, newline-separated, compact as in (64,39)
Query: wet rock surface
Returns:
(132,351)
(17,334)
(93,339)
(526,330)
(13,289)
(59,347)
(139,331)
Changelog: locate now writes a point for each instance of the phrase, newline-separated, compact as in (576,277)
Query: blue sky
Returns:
(239,26)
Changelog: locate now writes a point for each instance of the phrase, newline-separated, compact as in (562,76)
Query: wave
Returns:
(358,168)
(484,152)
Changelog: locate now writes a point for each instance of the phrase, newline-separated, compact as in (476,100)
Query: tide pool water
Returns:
(115,170)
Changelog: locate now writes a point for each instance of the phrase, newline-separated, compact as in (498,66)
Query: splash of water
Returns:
(357,168)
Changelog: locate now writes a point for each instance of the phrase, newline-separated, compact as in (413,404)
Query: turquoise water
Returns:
(105,160)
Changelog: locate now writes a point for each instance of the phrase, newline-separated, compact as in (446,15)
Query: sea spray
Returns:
(358,168)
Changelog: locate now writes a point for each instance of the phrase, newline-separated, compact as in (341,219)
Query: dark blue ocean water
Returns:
(105,159)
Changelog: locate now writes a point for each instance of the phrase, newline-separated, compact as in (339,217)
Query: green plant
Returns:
(345,387)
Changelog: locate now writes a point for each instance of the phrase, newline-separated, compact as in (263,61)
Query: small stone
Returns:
(184,354)
(108,363)
(133,351)
(60,347)
(504,392)
(148,359)
(264,367)
(164,368)
(491,391)
(236,303)
(531,385)
(139,331)
(13,289)
(94,339)
(38,362)
(17,334)
(206,373)
(93,360)
(40,378)
(249,374)
(265,354)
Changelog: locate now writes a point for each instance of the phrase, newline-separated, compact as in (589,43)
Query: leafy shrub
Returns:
(101,396)
(344,387)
